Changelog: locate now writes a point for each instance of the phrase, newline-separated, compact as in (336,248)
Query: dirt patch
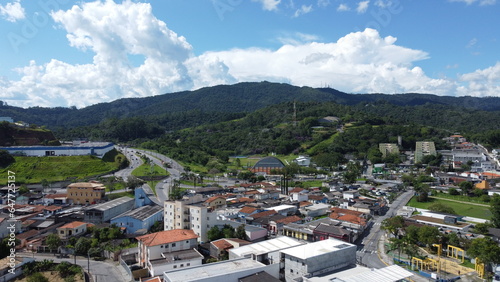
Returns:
(53,276)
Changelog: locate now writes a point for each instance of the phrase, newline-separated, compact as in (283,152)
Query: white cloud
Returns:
(471,43)
(269,5)
(323,3)
(343,8)
(112,32)
(362,7)
(481,2)
(358,62)
(297,38)
(12,11)
(303,10)
(481,83)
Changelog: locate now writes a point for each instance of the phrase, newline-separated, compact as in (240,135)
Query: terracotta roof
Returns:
(247,210)
(352,219)
(222,244)
(296,190)
(211,199)
(289,219)
(52,208)
(264,213)
(73,224)
(167,236)
(304,204)
(28,234)
(251,192)
(345,211)
(245,200)
(316,197)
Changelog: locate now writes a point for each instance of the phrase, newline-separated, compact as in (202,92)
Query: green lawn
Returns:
(148,170)
(35,169)
(119,195)
(460,208)
(462,198)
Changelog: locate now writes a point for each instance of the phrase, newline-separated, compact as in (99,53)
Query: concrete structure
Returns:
(315,210)
(391,273)
(6,223)
(423,149)
(267,164)
(189,213)
(266,251)
(303,160)
(318,258)
(95,149)
(284,209)
(140,219)
(227,271)
(85,193)
(388,149)
(75,228)
(106,211)
(156,249)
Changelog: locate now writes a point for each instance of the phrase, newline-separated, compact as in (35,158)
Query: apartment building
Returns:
(82,193)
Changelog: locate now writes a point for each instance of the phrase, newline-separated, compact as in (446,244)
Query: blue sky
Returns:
(78,53)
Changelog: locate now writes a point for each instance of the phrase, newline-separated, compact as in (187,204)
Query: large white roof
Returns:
(317,248)
(362,274)
(267,246)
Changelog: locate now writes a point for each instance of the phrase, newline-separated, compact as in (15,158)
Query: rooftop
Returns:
(318,248)
(111,204)
(391,273)
(267,246)
(141,213)
(73,224)
(167,236)
(177,256)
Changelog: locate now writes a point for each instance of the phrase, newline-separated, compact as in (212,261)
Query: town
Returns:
(364,221)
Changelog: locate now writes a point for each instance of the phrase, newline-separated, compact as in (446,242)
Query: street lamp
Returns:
(32,251)
(88,260)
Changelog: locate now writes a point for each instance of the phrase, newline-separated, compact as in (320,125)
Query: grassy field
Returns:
(460,208)
(119,195)
(148,170)
(35,169)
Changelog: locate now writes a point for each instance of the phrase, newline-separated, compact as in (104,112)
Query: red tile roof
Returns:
(246,200)
(345,211)
(222,244)
(289,219)
(296,190)
(211,199)
(263,214)
(73,224)
(247,210)
(167,236)
(52,208)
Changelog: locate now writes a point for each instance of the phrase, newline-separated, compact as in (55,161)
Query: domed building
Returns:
(267,164)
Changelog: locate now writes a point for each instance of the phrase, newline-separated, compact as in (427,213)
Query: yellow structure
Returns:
(427,264)
(479,267)
(483,185)
(86,192)
(454,252)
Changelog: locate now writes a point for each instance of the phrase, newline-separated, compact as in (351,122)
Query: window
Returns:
(175,266)
(187,241)
(161,246)
(291,270)
(182,265)
(173,244)
(188,264)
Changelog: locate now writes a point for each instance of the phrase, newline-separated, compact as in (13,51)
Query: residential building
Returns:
(85,193)
(140,219)
(317,258)
(422,149)
(73,229)
(55,199)
(227,271)
(104,212)
(215,202)
(266,251)
(315,210)
(167,250)
(189,213)
(303,160)
(219,248)
(388,149)
(5,225)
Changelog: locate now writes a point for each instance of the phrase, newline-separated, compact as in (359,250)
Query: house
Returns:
(85,193)
(168,250)
(315,210)
(139,219)
(284,209)
(318,199)
(317,258)
(72,229)
(325,231)
(276,224)
(55,199)
(219,248)
(215,202)
(104,212)
(5,227)
(51,210)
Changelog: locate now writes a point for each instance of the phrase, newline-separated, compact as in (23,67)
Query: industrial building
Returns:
(106,211)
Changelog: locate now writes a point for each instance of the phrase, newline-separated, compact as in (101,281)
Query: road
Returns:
(100,270)
(368,250)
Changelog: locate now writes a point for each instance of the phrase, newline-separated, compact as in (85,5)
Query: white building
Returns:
(265,251)
(318,258)
(167,250)
(225,271)
(94,148)
(303,161)
(284,209)
(189,213)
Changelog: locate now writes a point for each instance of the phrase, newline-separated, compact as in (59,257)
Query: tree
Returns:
(6,159)
(82,246)
(228,231)
(466,187)
(214,234)
(393,225)
(353,171)
(453,191)
(134,182)
(53,241)
(37,277)
(495,210)
(485,249)
(428,235)
(240,232)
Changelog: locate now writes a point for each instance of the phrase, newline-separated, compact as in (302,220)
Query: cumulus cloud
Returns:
(113,32)
(362,7)
(481,83)
(297,38)
(323,3)
(343,8)
(12,11)
(269,5)
(303,10)
(358,62)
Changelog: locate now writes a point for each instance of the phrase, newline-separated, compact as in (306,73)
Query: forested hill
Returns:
(237,98)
